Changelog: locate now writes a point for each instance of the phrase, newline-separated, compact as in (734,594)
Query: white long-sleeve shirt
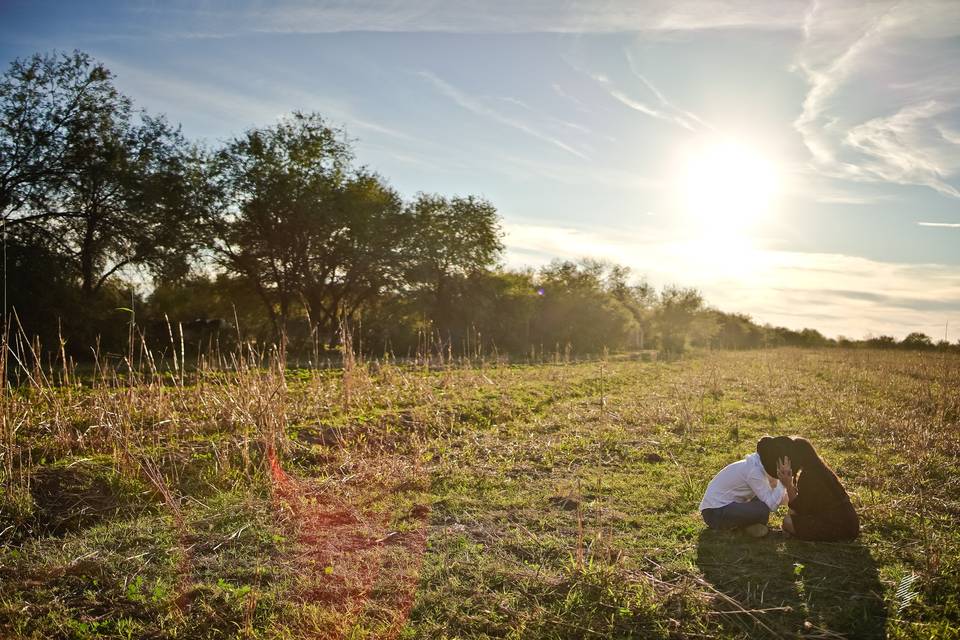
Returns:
(740,481)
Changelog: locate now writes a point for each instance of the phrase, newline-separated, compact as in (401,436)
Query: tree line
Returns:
(279,233)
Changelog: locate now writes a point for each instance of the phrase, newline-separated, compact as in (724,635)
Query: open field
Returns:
(548,501)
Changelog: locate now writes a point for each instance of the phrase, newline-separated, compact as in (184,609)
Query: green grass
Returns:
(552,501)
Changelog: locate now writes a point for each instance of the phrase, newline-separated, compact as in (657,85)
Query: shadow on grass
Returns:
(827,587)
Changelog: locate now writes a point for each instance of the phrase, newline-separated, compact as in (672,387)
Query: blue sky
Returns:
(585,123)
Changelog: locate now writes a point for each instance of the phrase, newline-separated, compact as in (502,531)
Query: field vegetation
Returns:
(239,497)
(250,390)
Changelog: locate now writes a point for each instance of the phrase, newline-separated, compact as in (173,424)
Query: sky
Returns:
(796,161)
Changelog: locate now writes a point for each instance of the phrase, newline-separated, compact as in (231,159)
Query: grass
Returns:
(543,501)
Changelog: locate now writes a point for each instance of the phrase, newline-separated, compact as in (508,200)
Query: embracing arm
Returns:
(771,496)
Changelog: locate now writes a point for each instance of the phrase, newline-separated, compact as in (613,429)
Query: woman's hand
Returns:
(784,471)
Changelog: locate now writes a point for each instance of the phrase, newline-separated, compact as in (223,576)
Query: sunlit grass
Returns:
(554,500)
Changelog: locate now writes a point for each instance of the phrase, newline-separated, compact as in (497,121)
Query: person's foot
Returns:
(756,530)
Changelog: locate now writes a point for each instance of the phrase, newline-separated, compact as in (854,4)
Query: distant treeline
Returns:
(279,232)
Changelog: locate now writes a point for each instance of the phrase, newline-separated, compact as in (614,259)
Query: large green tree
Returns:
(455,240)
(42,99)
(639,299)
(577,309)
(94,180)
(676,316)
(357,252)
(303,225)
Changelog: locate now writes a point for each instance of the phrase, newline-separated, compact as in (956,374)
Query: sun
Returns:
(728,186)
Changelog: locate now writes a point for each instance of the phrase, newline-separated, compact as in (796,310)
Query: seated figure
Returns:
(744,493)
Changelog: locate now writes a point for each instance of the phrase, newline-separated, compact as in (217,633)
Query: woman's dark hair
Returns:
(803,457)
(771,450)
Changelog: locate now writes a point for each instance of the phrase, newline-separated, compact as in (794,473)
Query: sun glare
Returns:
(727,186)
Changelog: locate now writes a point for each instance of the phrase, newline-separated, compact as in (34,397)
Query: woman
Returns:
(820,509)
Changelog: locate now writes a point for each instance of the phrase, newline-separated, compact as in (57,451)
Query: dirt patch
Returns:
(69,497)
(351,560)
(565,502)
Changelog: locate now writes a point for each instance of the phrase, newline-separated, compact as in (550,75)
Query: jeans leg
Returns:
(737,514)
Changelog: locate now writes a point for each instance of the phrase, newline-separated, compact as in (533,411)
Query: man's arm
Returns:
(771,496)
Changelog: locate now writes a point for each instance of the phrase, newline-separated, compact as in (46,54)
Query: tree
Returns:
(128,201)
(678,309)
(271,184)
(90,178)
(42,98)
(781,336)
(302,225)
(202,297)
(49,305)
(455,238)
(493,309)
(881,342)
(703,329)
(813,338)
(363,256)
(639,299)
(917,340)
(513,299)
(576,309)
(737,331)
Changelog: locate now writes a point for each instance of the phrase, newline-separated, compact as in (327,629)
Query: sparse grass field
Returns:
(549,501)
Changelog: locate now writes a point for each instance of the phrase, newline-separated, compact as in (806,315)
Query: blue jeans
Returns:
(737,514)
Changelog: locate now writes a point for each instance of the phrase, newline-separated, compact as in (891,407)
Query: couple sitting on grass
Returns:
(782,471)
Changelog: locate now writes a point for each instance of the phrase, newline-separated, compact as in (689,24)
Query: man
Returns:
(745,492)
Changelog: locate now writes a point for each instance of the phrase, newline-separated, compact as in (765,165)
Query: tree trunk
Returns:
(87,257)
(261,292)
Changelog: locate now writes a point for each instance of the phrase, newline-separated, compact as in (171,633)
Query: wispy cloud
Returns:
(827,58)
(224,18)
(913,303)
(653,103)
(477,107)
(902,148)
(953,137)
(946,225)
(683,117)
(637,105)
(902,135)
(172,91)
(544,117)
(577,102)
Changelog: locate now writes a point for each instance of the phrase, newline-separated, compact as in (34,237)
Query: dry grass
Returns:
(238,497)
